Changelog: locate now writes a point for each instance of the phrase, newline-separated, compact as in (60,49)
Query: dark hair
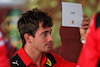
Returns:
(29,22)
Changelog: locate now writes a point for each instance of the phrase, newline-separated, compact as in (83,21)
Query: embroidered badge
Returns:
(15,63)
(48,62)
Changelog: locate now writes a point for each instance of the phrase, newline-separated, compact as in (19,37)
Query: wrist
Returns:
(83,37)
(82,40)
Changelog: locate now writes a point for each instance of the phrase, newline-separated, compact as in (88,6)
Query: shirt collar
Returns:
(22,54)
(43,60)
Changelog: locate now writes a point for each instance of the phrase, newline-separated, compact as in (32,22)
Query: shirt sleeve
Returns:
(63,63)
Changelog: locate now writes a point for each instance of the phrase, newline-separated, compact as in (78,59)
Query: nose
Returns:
(50,38)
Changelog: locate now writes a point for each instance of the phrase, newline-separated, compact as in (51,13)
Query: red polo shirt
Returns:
(27,61)
(60,62)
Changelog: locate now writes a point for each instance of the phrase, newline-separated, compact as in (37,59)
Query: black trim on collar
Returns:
(98,20)
(51,58)
(98,65)
(16,61)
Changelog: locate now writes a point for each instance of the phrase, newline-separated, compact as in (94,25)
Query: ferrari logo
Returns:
(48,62)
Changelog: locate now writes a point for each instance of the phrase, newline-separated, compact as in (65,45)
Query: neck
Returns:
(33,54)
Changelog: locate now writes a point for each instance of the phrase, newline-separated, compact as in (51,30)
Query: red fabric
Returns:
(61,62)
(91,49)
(28,62)
(4,61)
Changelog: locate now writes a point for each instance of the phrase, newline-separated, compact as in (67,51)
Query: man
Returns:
(35,30)
(90,54)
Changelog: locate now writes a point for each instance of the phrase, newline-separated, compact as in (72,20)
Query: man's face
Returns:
(43,39)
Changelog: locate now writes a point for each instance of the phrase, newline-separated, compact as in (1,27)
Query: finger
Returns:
(85,17)
(85,27)
(85,23)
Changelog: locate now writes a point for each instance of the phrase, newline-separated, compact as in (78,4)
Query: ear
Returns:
(27,37)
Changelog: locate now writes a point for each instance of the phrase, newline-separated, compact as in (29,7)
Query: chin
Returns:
(47,50)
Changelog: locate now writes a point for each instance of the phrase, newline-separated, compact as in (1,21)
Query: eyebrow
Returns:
(46,31)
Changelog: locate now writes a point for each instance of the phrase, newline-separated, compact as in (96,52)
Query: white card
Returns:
(71,14)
